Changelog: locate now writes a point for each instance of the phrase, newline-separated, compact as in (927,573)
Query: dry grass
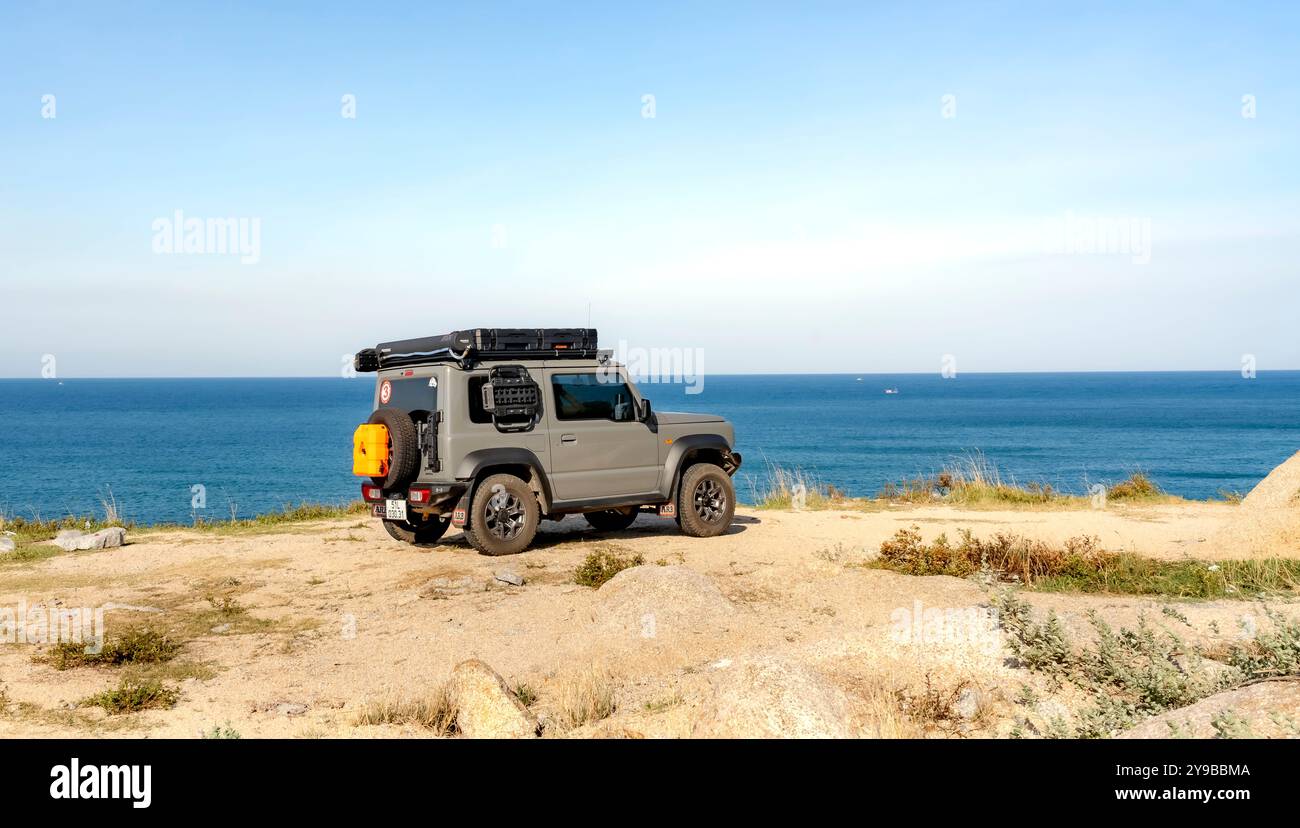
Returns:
(1004,556)
(1138,487)
(1083,566)
(933,707)
(970,481)
(436,712)
(791,489)
(108,502)
(973,480)
(885,715)
(583,698)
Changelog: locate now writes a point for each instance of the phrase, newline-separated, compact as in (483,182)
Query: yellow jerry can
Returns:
(370,451)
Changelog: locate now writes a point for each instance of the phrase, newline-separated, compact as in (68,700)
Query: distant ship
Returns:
(891,390)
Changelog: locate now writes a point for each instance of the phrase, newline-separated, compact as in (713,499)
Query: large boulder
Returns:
(71,540)
(1267,524)
(1281,489)
(647,602)
(765,697)
(485,707)
(7,544)
(1267,710)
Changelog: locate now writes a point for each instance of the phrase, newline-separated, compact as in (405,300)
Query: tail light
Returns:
(371,494)
(421,495)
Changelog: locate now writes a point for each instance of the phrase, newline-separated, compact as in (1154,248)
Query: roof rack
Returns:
(468,347)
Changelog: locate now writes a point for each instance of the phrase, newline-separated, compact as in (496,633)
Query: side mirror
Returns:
(646,411)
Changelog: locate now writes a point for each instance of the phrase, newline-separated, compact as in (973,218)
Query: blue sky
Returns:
(799,174)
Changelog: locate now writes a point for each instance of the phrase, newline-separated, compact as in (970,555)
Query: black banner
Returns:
(145,778)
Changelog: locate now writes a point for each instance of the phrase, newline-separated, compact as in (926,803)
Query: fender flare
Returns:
(683,446)
(472,464)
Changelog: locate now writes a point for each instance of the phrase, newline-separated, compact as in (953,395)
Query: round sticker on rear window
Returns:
(385,392)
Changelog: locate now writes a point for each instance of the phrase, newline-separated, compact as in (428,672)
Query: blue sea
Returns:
(261,444)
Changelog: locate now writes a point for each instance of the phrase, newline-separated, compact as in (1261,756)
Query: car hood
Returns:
(679,417)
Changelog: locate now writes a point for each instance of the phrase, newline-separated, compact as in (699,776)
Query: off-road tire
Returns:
(403,447)
(706,501)
(612,520)
(430,530)
(506,528)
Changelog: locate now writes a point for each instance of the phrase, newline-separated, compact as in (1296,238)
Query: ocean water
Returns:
(261,444)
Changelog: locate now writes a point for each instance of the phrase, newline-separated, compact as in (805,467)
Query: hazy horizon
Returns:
(262,191)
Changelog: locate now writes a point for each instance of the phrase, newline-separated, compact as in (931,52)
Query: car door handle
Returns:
(568,438)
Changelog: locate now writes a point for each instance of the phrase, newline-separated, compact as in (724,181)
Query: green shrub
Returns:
(1128,674)
(602,565)
(132,695)
(136,646)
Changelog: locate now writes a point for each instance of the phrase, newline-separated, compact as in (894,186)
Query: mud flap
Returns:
(460,514)
(667,510)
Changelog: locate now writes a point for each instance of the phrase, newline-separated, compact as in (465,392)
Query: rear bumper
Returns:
(443,497)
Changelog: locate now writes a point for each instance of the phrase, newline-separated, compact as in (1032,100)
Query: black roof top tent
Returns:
(475,344)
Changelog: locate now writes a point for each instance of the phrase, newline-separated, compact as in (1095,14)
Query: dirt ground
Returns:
(294,632)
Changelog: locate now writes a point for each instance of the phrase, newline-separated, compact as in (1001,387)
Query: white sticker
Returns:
(433,382)
(385,392)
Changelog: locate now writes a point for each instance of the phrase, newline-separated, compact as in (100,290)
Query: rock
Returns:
(1267,710)
(1051,710)
(508,577)
(647,602)
(71,540)
(68,539)
(290,709)
(7,544)
(1267,523)
(763,697)
(1281,488)
(485,707)
(221,628)
(967,704)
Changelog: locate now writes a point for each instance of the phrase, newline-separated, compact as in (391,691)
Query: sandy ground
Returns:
(331,616)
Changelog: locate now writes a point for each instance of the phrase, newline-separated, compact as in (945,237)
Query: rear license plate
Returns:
(394,509)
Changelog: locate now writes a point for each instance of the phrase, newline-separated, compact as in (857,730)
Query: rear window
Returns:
(417,395)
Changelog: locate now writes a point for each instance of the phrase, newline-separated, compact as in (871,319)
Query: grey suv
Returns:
(494,430)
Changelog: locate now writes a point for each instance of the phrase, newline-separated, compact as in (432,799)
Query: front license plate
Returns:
(395,509)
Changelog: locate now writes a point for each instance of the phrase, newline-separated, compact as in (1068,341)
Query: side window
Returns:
(475,389)
(590,397)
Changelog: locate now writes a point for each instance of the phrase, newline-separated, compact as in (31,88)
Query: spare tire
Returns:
(403,447)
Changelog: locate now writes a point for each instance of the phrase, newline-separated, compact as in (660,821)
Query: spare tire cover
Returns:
(403,447)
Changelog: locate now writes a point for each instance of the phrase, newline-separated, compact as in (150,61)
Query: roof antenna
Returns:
(588,316)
